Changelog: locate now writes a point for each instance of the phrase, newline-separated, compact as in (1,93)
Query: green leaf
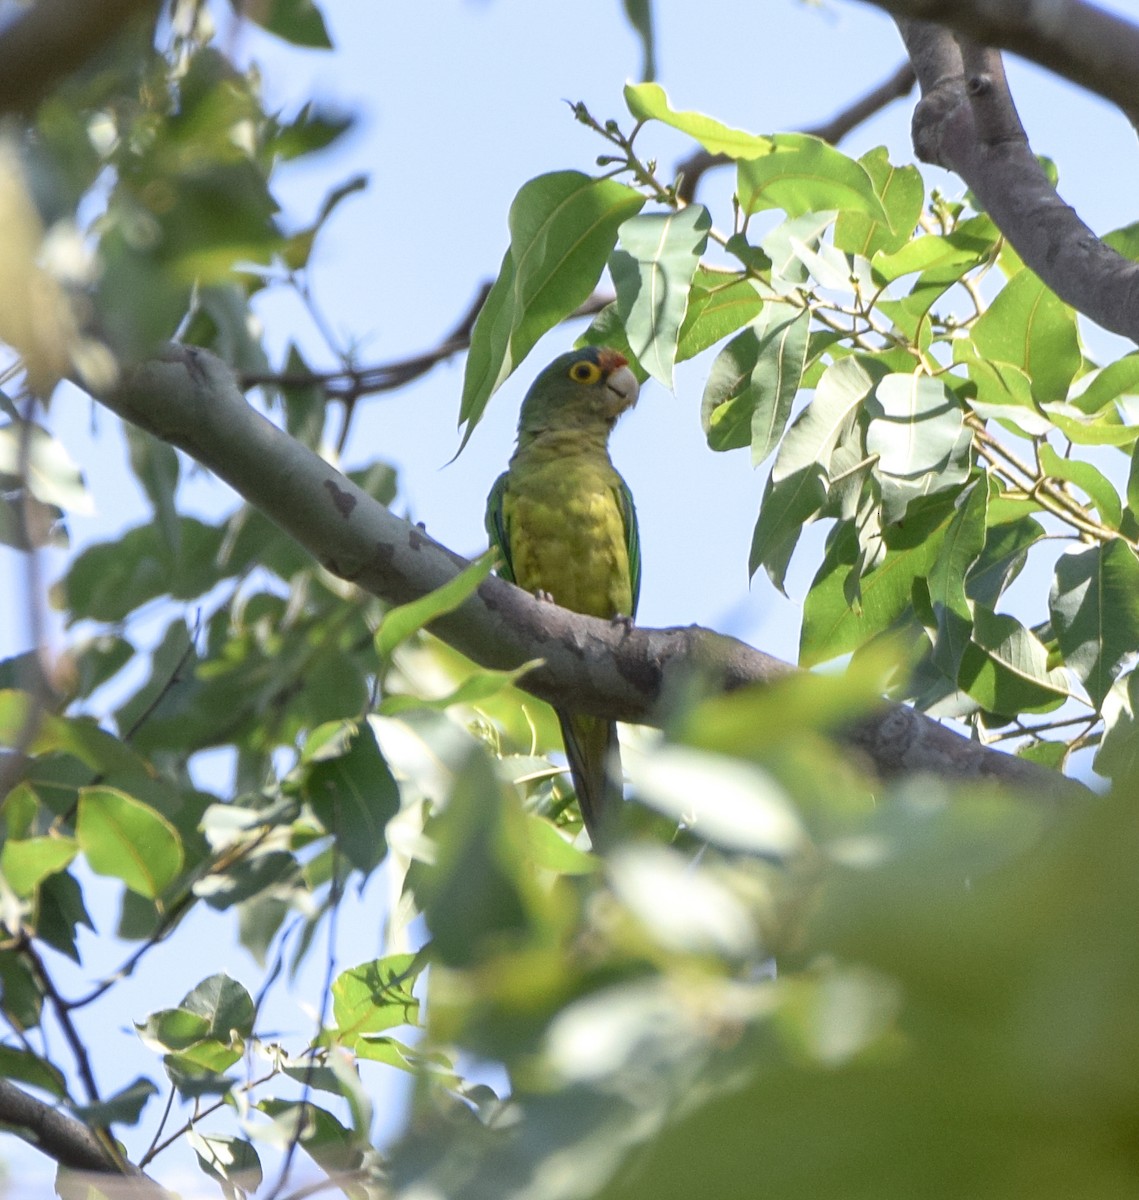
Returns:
(26,864)
(26,1067)
(375,996)
(804,174)
(400,623)
(123,1108)
(20,992)
(719,303)
(841,391)
(652,272)
(831,626)
(1088,479)
(478,895)
(1003,392)
(1032,328)
(1005,667)
(961,548)
(902,194)
(1109,427)
(225,1005)
(173,1028)
(1094,607)
(61,911)
(725,802)
(128,840)
(648,102)
(1119,378)
(915,425)
(109,580)
(640,15)
(297,21)
(331,1145)
(230,1160)
(788,504)
(753,383)
(476,689)
(562,228)
(51,474)
(351,790)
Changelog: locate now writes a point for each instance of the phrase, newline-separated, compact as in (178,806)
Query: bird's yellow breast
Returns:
(567,535)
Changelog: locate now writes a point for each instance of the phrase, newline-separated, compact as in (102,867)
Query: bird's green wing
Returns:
(496,527)
(632,542)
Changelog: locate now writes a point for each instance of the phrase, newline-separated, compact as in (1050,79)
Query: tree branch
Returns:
(190,399)
(967,122)
(1075,40)
(54,38)
(349,386)
(691,169)
(71,1144)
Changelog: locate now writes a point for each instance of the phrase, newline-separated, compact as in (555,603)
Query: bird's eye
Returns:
(585,372)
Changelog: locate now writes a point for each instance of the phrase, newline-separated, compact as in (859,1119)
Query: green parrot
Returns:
(563,521)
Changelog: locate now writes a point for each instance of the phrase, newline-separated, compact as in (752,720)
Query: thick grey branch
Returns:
(966,121)
(190,399)
(54,38)
(1078,41)
(72,1145)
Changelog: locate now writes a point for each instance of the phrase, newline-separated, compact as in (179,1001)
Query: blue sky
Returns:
(459,104)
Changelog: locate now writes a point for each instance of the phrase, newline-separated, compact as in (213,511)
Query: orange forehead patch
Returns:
(610,360)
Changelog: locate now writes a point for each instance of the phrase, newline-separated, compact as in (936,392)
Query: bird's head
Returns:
(579,387)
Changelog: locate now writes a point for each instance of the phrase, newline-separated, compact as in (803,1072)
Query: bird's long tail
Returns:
(595,764)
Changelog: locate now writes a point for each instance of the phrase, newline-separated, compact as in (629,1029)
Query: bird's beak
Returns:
(623,389)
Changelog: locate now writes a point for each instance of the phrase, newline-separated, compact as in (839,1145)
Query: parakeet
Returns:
(563,521)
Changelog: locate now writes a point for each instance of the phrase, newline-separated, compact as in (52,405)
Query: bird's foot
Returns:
(544,597)
(627,623)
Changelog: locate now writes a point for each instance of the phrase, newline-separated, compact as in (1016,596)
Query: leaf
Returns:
(832,627)
(648,102)
(109,580)
(51,474)
(719,303)
(1005,667)
(805,174)
(1119,378)
(1094,605)
(652,272)
(400,623)
(230,1160)
(351,789)
(788,504)
(296,21)
(123,1108)
(902,194)
(562,228)
(1088,479)
(1003,392)
(225,1005)
(915,423)
(375,996)
(478,896)
(843,388)
(753,383)
(1032,328)
(23,1065)
(725,802)
(128,840)
(964,540)
(26,864)
(640,16)
(331,1145)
